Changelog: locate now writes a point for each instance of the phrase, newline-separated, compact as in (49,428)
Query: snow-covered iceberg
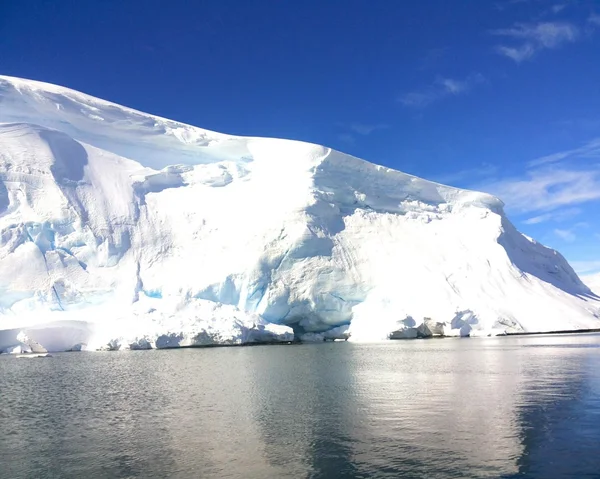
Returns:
(122,229)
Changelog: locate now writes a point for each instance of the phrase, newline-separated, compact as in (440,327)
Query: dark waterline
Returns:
(524,406)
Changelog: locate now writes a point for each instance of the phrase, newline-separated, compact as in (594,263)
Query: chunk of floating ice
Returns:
(34,356)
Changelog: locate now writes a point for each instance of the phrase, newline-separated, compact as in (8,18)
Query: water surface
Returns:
(493,407)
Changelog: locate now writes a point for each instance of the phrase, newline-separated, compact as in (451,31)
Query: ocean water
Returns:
(489,407)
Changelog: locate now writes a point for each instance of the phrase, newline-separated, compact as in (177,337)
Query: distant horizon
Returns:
(499,97)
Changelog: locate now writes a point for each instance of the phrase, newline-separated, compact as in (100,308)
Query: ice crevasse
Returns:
(120,229)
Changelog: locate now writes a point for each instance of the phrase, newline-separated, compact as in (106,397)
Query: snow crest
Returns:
(120,229)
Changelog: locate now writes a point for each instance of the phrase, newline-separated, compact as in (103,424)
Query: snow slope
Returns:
(125,229)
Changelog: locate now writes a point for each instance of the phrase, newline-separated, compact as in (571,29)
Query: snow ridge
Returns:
(123,229)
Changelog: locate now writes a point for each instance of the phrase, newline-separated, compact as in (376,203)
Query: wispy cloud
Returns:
(518,54)
(565,235)
(532,38)
(353,129)
(469,175)
(547,189)
(589,150)
(555,216)
(501,6)
(557,8)
(568,234)
(582,267)
(441,88)
(594,19)
(347,138)
(538,219)
(552,182)
(365,128)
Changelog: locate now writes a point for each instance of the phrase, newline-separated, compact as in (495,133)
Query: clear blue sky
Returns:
(497,95)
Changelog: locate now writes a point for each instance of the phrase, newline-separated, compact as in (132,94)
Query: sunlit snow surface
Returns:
(122,229)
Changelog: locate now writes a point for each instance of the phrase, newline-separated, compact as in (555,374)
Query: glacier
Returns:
(121,229)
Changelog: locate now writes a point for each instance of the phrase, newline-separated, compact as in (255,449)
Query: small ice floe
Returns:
(30,356)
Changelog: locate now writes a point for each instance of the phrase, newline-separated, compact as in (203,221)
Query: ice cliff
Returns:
(122,229)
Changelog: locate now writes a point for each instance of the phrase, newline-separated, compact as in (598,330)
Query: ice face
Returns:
(151,233)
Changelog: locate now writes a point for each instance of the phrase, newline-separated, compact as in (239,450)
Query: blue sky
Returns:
(499,95)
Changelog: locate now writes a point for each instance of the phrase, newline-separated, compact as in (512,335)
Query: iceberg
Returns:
(123,230)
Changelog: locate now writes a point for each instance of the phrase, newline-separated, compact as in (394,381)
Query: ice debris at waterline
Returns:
(120,229)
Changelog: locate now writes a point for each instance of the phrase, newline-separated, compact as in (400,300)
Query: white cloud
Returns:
(557,8)
(552,182)
(565,235)
(589,150)
(454,87)
(535,37)
(556,216)
(366,129)
(594,20)
(508,3)
(418,99)
(485,170)
(441,88)
(346,138)
(569,235)
(518,54)
(585,266)
(547,189)
(545,34)
(363,129)
(538,219)
(592,281)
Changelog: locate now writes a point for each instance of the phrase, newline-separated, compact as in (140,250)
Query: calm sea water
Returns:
(494,407)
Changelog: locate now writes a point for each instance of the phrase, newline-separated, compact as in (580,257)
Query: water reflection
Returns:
(511,407)
(438,407)
(211,416)
(78,414)
(306,409)
(559,415)
(430,408)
